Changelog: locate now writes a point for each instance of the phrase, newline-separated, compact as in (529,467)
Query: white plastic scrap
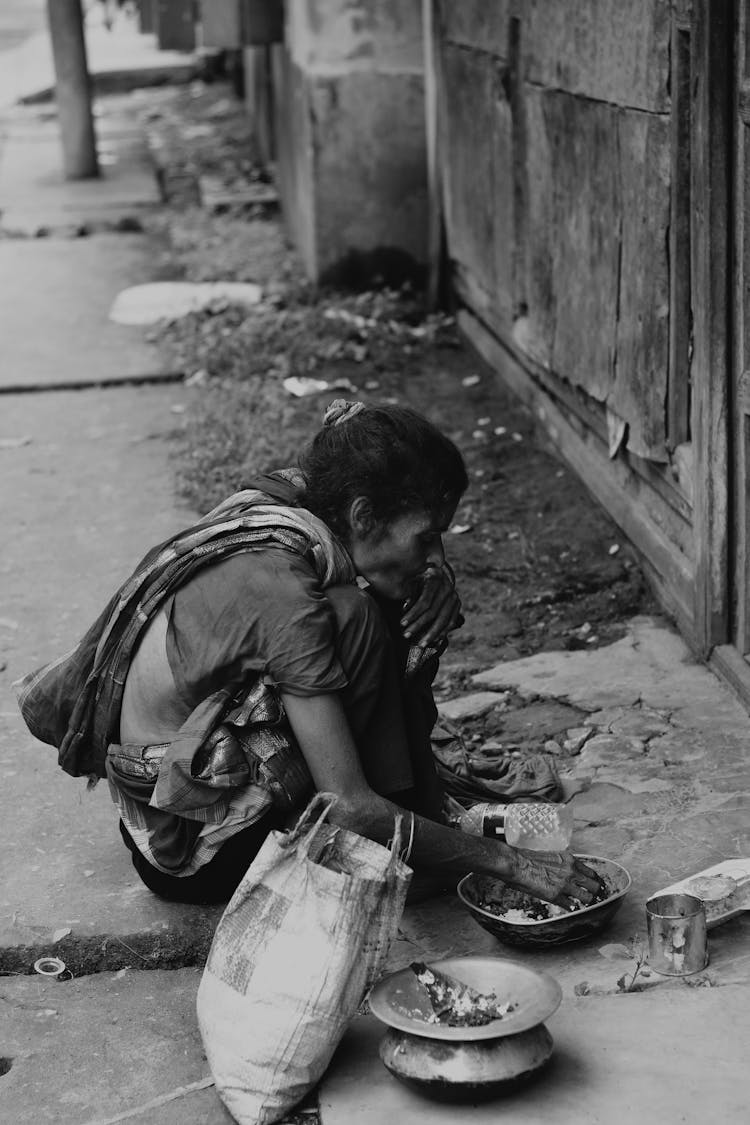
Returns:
(170,300)
(299,386)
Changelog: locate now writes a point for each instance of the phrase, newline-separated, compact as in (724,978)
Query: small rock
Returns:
(492,746)
(604,719)
(15,442)
(552,747)
(577,737)
(300,386)
(472,706)
(197,378)
(641,723)
(611,749)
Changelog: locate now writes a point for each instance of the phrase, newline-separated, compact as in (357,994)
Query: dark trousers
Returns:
(219,878)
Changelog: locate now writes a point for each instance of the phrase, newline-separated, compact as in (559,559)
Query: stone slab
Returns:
(471,706)
(55,296)
(35,196)
(87,495)
(651,666)
(85,1051)
(677,1055)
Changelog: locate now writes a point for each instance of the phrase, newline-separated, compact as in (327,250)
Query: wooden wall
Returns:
(563,137)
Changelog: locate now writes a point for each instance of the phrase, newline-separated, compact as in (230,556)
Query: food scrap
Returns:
(516,906)
(455,1004)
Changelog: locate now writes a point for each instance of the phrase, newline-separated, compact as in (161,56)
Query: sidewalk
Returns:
(86,489)
(119,59)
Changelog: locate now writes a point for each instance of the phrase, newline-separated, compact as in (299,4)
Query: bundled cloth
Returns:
(471,777)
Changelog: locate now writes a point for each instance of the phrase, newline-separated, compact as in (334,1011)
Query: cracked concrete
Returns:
(664,747)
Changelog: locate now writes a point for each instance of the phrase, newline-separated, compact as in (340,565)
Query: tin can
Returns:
(677,941)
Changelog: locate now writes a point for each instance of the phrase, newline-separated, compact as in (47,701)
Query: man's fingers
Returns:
(434,623)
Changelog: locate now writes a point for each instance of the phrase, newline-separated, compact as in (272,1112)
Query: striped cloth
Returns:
(74,703)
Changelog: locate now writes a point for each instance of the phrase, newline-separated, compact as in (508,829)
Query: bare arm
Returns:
(321,728)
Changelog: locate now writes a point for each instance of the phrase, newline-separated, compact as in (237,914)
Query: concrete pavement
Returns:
(118,59)
(669,795)
(86,488)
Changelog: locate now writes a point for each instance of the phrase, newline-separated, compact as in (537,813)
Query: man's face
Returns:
(392,557)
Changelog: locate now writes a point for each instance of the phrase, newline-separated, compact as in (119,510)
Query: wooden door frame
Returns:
(712,139)
(725,553)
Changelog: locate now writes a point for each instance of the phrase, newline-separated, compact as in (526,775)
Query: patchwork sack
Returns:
(304,936)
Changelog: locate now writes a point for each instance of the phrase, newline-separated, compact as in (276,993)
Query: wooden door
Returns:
(740,406)
(731,256)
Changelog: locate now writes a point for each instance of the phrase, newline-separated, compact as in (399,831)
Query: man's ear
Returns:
(361,519)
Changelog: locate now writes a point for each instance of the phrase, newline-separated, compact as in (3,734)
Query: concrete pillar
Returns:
(73,89)
(352,165)
(146,20)
(220,23)
(259,99)
(175,25)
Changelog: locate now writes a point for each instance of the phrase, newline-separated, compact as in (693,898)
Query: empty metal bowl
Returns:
(486,898)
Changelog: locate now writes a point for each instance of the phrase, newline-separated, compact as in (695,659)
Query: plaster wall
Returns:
(350,137)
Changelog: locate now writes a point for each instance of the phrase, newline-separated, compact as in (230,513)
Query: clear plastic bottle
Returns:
(534,826)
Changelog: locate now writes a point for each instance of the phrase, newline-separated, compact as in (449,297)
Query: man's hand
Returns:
(557,877)
(429,617)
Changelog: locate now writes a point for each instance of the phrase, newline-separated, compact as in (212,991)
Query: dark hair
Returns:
(391,455)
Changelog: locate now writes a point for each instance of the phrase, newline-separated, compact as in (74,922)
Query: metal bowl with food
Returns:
(522,920)
(493,1039)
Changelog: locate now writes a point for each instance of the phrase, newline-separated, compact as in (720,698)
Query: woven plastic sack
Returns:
(304,936)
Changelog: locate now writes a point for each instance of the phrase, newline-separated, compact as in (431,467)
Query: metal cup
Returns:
(677,943)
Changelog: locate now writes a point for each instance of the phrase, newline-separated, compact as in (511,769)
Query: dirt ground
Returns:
(539,564)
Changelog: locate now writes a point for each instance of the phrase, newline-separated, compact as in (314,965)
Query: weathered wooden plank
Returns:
(712,45)
(520,162)
(639,390)
(574,219)
(741,358)
(667,481)
(680,315)
(434,186)
(727,662)
(474,137)
(481,24)
(612,50)
(610,482)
